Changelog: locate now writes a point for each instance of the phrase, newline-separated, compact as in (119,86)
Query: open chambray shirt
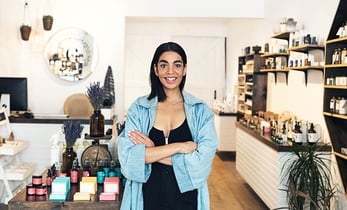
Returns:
(191,170)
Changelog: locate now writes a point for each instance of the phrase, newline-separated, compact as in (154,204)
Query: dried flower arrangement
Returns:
(72,130)
(96,95)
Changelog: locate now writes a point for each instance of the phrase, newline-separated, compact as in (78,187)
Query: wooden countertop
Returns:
(220,113)
(284,147)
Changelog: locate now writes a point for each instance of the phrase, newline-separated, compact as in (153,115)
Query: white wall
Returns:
(249,22)
(105,21)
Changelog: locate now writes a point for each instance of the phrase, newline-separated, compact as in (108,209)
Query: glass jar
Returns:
(97,124)
(69,156)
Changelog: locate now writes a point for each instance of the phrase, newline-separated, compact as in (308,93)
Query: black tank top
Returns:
(161,191)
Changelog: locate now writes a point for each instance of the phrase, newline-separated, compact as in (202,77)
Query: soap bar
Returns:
(81,196)
(107,196)
(111,185)
(57,197)
(61,185)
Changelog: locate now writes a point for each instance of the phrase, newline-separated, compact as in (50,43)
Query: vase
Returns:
(69,156)
(97,124)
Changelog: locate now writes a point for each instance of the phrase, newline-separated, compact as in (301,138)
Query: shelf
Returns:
(19,171)
(327,66)
(13,147)
(335,86)
(283,35)
(332,41)
(335,115)
(275,70)
(341,155)
(303,68)
(305,48)
(269,55)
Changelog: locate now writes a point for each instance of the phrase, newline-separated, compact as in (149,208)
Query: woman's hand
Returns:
(187,147)
(138,138)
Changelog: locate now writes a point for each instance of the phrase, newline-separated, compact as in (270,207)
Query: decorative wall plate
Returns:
(71,54)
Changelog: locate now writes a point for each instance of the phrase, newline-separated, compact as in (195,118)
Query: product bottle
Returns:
(312,135)
(332,104)
(337,105)
(49,178)
(86,168)
(106,167)
(343,55)
(112,172)
(74,175)
(342,106)
(284,133)
(100,174)
(298,138)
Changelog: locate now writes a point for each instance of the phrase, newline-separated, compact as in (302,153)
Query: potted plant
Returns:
(96,96)
(307,177)
(72,130)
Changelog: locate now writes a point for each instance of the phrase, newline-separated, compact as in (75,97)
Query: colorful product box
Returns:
(107,196)
(88,185)
(111,185)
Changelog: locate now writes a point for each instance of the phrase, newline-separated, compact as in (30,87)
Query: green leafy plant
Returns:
(308,178)
(96,95)
(72,130)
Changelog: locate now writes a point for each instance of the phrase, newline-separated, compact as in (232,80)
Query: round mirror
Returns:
(71,54)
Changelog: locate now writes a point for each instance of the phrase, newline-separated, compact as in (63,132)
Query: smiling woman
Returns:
(170,136)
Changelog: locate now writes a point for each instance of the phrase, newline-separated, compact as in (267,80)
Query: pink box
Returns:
(111,185)
(107,196)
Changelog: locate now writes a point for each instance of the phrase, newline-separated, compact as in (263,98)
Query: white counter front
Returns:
(226,132)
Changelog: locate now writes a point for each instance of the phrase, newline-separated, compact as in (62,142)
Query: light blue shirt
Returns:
(191,170)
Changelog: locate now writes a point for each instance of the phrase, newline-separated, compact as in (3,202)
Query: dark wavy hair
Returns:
(156,86)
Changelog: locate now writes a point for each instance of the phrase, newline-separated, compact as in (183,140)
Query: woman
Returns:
(169,141)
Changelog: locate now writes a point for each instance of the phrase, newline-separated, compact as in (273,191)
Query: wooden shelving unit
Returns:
(252,85)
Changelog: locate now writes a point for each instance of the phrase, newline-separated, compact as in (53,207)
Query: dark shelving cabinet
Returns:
(252,85)
(336,123)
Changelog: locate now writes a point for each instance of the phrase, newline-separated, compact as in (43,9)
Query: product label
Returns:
(312,137)
(298,137)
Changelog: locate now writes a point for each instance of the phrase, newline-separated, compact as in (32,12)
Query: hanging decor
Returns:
(96,96)
(47,19)
(25,28)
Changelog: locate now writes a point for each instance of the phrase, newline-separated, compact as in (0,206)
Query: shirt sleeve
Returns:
(192,170)
(132,156)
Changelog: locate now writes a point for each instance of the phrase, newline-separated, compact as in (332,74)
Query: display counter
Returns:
(225,127)
(51,120)
(24,201)
(259,160)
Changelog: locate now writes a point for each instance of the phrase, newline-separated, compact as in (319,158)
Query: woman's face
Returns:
(170,69)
